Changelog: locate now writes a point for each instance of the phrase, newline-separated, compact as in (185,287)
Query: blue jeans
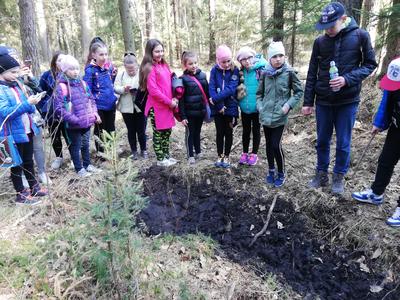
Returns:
(80,142)
(342,118)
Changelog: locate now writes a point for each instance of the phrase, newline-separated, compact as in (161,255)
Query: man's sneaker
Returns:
(368,196)
(337,183)
(243,159)
(93,169)
(25,198)
(280,180)
(320,179)
(270,179)
(144,154)
(252,159)
(198,156)
(226,163)
(135,156)
(219,161)
(394,220)
(191,160)
(43,178)
(38,191)
(57,163)
(83,173)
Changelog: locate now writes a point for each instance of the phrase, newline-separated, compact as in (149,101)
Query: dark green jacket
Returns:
(276,90)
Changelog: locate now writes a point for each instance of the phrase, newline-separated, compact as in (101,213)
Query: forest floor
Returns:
(200,221)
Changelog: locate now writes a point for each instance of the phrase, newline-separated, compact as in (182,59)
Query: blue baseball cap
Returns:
(330,14)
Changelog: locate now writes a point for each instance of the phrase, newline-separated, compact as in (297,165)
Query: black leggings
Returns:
(26,152)
(56,129)
(273,141)
(387,161)
(135,124)
(107,123)
(224,127)
(251,123)
(192,135)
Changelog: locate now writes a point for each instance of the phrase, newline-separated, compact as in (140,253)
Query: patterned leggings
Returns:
(160,139)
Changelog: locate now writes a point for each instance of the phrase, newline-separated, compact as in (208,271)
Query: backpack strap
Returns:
(205,100)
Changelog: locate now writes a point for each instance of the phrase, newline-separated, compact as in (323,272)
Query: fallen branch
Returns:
(260,233)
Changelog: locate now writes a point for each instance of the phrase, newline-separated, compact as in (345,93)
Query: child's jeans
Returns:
(192,135)
(38,151)
(80,142)
(342,118)
(387,160)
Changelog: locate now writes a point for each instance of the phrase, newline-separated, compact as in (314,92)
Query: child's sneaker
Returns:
(280,180)
(57,163)
(37,191)
(368,197)
(191,160)
(165,163)
(43,178)
(198,156)
(226,162)
(83,173)
(25,198)
(243,159)
(144,154)
(135,156)
(93,169)
(219,161)
(252,159)
(394,220)
(270,179)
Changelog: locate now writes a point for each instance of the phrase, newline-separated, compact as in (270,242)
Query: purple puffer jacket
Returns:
(74,103)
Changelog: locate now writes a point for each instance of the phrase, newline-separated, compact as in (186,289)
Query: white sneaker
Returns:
(83,173)
(43,178)
(394,220)
(57,163)
(191,160)
(164,163)
(24,181)
(93,169)
(172,160)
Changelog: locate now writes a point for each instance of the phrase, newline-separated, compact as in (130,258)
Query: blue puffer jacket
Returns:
(248,104)
(354,56)
(223,84)
(47,84)
(9,108)
(388,111)
(100,81)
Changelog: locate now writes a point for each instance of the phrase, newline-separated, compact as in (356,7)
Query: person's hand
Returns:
(184,122)
(114,71)
(337,82)
(25,71)
(98,119)
(307,110)
(127,88)
(174,103)
(34,99)
(211,101)
(285,108)
(222,111)
(375,130)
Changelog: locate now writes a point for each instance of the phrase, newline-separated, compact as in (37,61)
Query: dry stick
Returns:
(260,233)
(363,153)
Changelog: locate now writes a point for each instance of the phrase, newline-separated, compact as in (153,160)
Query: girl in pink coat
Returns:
(155,77)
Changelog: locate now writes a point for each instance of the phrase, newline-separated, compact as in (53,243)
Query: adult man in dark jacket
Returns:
(350,48)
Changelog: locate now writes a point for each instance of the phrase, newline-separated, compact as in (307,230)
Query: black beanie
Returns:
(7,63)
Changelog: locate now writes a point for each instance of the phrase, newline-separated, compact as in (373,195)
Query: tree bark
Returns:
(211,19)
(42,30)
(353,8)
(367,9)
(85,28)
(127,25)
(293,37)
(279,22)
(30,45)
(263,19)
(148,5)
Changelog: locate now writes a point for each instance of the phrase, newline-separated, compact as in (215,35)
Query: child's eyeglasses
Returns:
(129,53)
(250,58)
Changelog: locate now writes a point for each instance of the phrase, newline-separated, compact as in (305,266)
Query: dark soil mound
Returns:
(311,267)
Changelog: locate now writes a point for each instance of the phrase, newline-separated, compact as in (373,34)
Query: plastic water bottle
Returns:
(333,73)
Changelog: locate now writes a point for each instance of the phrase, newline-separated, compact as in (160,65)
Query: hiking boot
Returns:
(191,160)
(57,163)
(93,169)
(144,154)
(270,179)
(43,178)
(337,183)
(83,173)
(226,162)
(252,159)
(37,191)
(25,198)
(368,196)
(280,180)
(243,159)
(394,220)
(319,180)
(219,161)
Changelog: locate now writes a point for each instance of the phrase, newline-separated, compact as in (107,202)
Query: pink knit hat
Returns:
(68,62)
(223,51)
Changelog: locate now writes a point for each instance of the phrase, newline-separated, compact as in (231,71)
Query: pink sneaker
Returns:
(243,159)
(252,159)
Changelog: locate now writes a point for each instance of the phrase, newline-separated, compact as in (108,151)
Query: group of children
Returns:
(264,90)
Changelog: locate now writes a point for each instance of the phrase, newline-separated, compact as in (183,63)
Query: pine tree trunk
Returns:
(263,18)
(127,25)
(148,5)
(278,20)
(353,8)
(85,28)
(293,37)
(42,30)
(175,14)
(30,45)
(169,34)
(211,19)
